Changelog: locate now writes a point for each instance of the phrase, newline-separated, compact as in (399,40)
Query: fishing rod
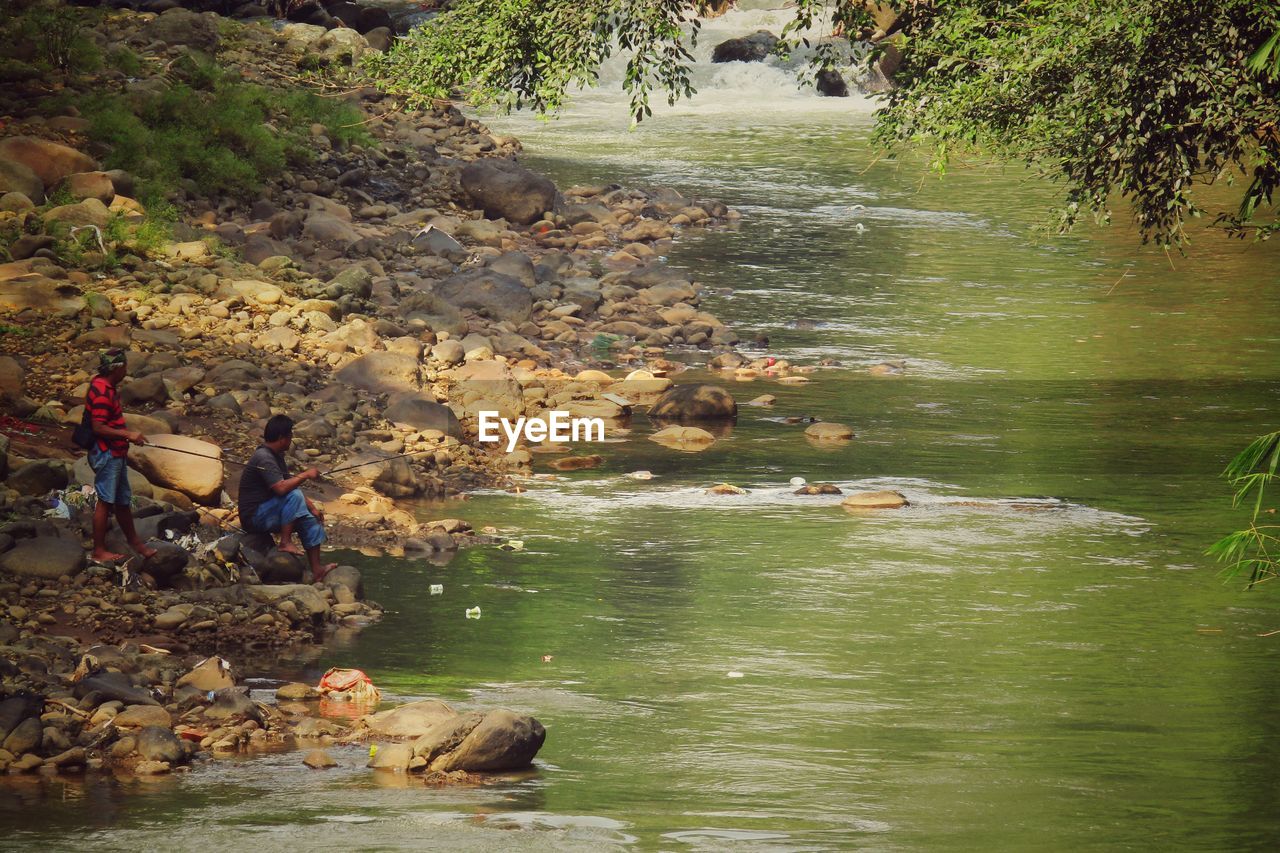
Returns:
(340,468)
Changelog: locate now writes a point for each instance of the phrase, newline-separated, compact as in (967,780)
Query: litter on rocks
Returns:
(348,685)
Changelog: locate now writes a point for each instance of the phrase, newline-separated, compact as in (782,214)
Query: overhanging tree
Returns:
(1140,99)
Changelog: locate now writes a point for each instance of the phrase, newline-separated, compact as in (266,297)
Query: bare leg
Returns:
(286,540)
(101,521)
(124,516)
(318,570)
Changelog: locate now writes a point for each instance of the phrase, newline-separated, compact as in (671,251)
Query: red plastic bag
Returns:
(352,683)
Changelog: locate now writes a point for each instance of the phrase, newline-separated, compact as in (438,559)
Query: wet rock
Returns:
(504,190)
(295,691)
(721,489)
(157,743)
(831,84)
(753,48)
(875,500)
(827,431)
(346,576)
(503,740)
(695,402)
(152,768)
(25,737)
(318,759)
(45,557)
(407,721)
(391,756)
(818,489)
(689,439)
(175,462)
(490,293)
(231,703)
(577,463)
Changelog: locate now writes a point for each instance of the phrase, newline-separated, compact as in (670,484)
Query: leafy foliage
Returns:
(1140,99)
(223,135)
(518,53)
(1256,549)
(49,35)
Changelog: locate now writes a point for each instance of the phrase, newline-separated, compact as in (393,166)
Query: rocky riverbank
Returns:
(380,291)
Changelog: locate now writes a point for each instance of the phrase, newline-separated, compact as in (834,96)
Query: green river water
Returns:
(1058,667)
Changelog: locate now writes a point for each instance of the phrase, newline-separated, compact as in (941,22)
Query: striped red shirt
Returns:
(103,402)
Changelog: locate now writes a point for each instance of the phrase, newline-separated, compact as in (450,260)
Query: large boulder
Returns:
(155,743)
(831,85)
(12,378)
(175,462)
(407,721)
(272,565)
(17,177)
(498,296)
(50,161)
(504,190)
(695,402)
(182,26)
(38,478)
(91,211)
(24,286)
(503,740)
(752,48)
(382,372)
(415,411)
(46,557)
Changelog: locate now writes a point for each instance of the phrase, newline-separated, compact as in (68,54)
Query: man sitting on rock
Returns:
(108,458)
(271,499)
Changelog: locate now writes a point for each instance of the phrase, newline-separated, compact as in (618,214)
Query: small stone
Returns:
(318,759)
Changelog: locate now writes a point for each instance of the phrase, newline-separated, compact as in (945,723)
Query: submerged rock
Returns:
(695,402)
(875,500)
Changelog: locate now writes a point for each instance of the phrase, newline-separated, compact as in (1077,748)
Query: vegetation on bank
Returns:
(190,127)
(1142,99)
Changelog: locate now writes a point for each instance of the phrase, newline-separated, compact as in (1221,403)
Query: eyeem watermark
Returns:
(558,427)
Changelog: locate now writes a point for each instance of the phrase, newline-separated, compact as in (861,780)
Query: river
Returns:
(1036,653)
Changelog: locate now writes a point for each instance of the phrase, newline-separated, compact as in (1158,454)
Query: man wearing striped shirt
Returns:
(108,458)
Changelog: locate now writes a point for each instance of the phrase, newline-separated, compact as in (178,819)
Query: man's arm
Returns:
(101,429)
(283,487)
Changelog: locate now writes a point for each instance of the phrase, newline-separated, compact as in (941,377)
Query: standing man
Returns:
(271,500)
(109,458)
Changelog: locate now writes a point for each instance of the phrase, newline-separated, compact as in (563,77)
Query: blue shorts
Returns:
(282,509)
(111,477)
